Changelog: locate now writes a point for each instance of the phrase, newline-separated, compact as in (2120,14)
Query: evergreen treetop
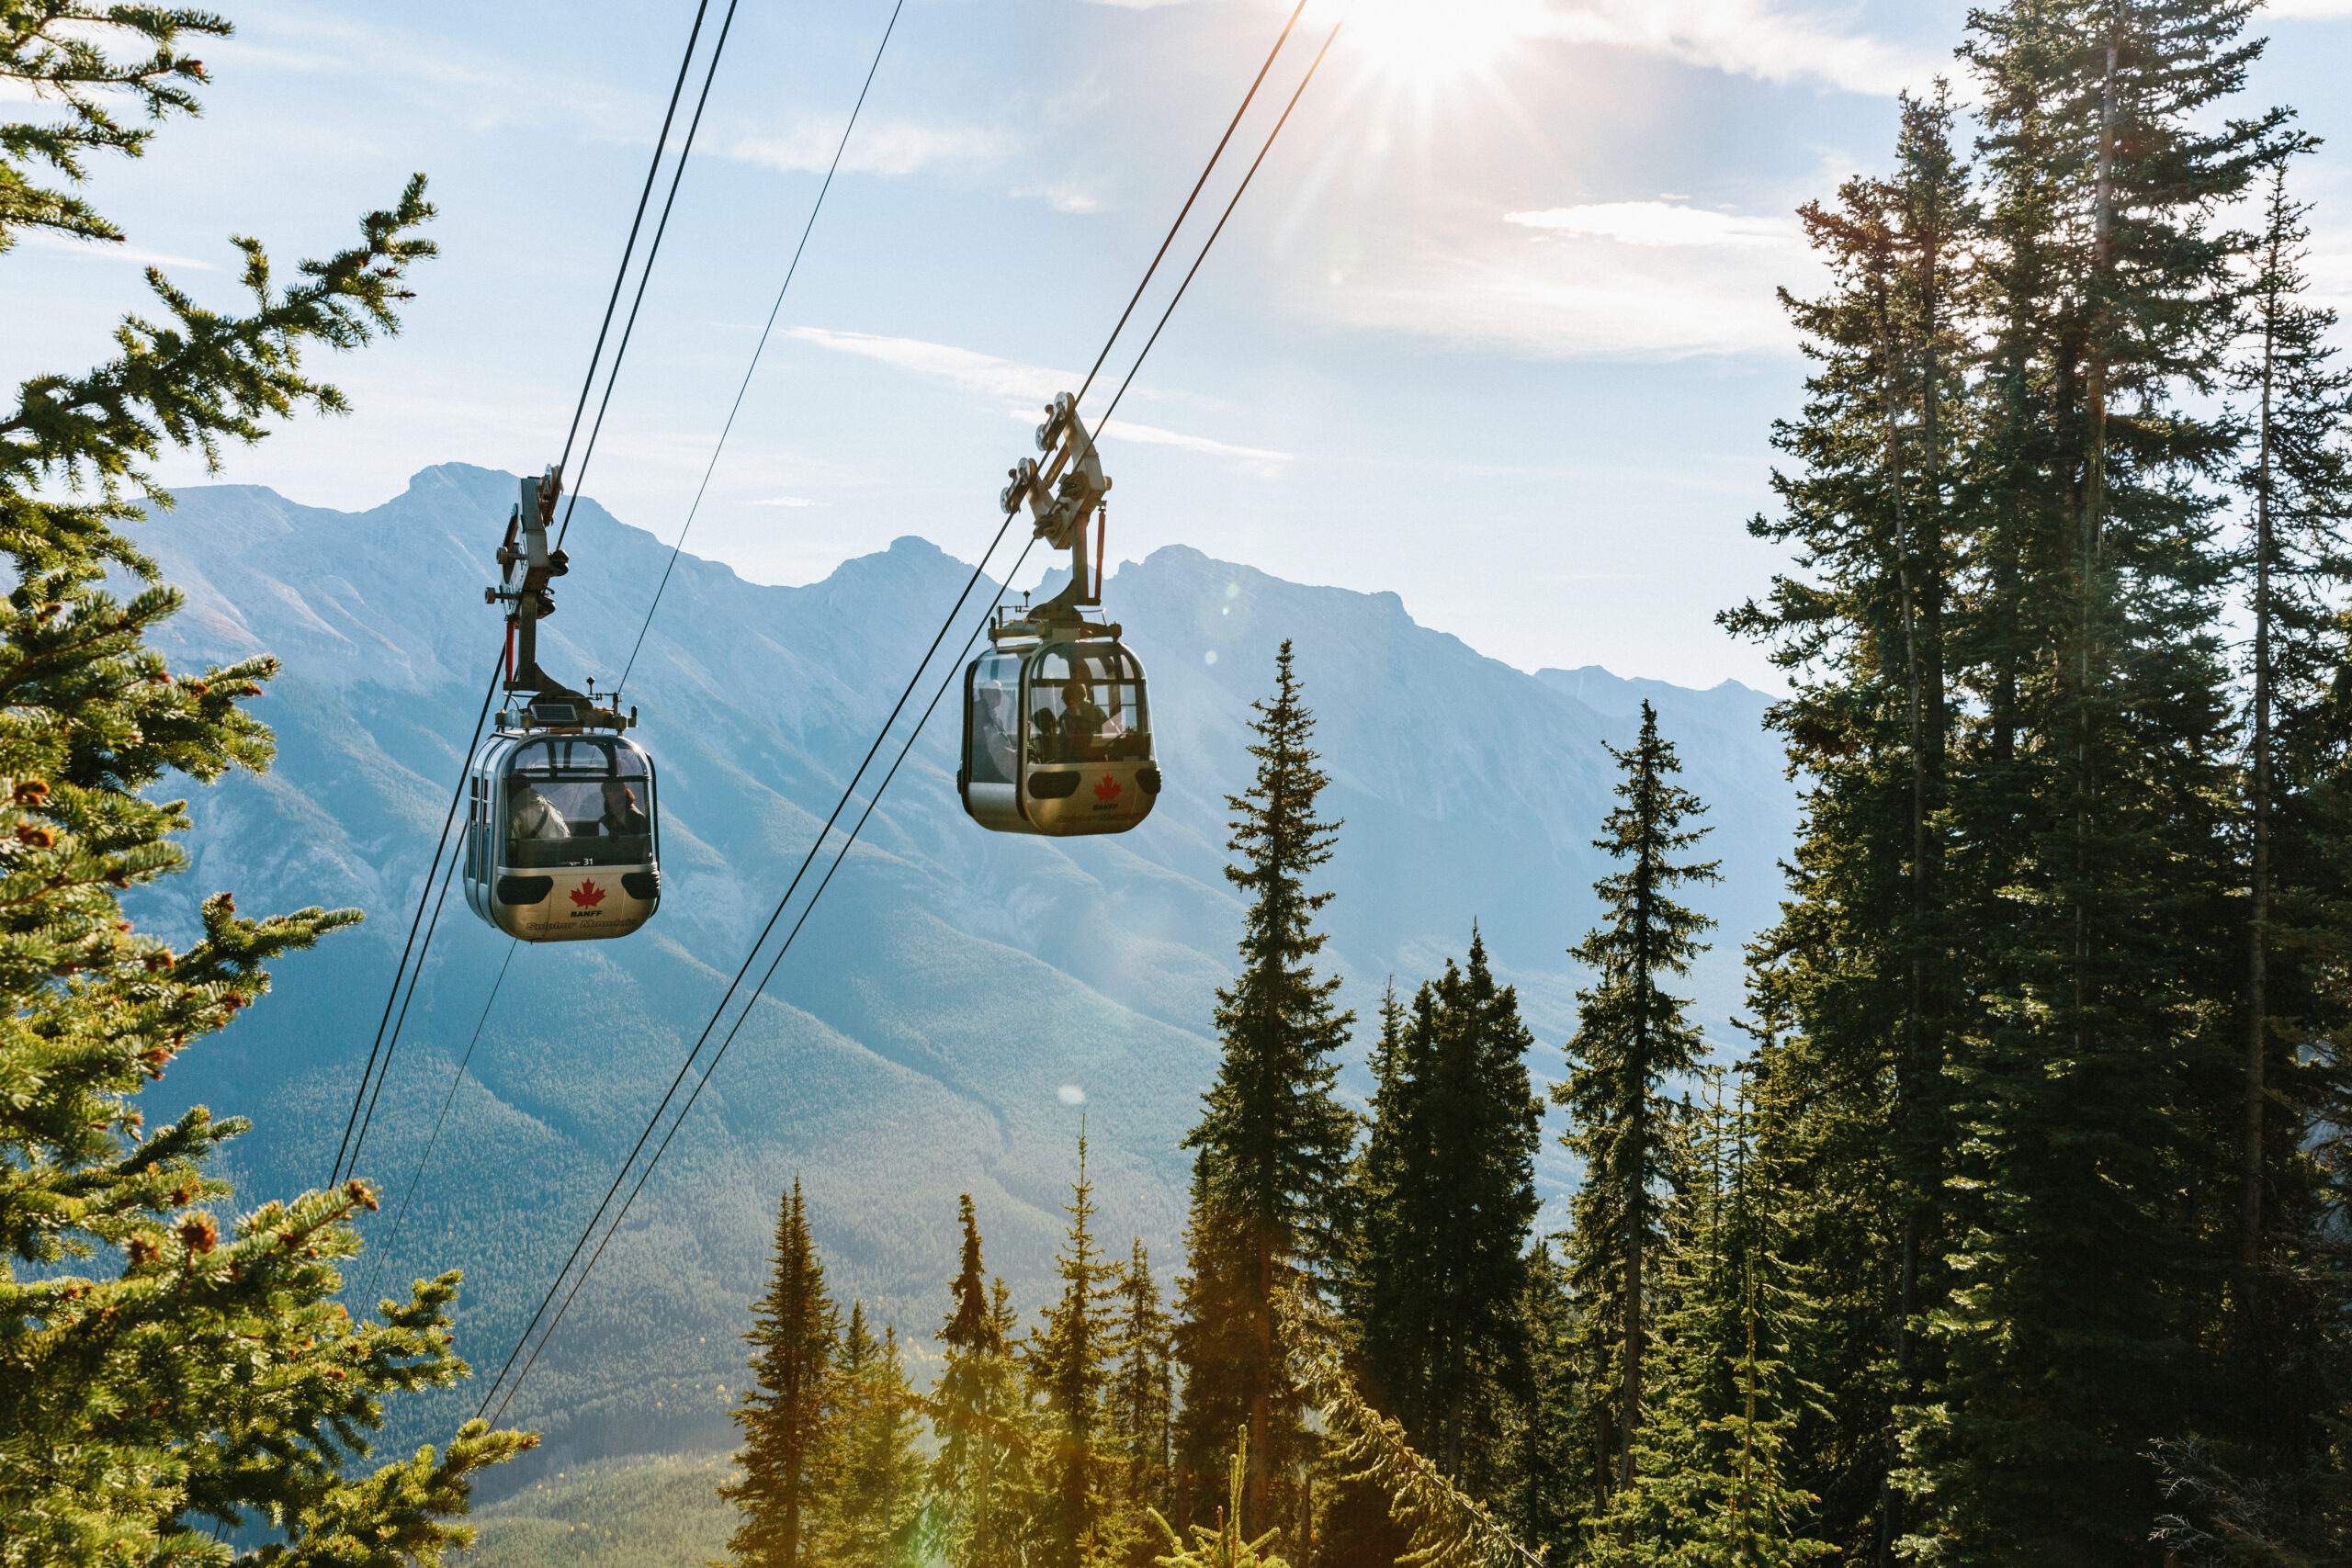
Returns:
(1271,1148)
(788,1414)
(1272,1138)
(1449,1173)
(1068,1360)
(981,1480)
(1631,1039)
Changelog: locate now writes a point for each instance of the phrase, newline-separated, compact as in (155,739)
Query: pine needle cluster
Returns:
(165,1371)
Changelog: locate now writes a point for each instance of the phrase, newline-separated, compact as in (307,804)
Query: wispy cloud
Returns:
(2309,10)
(1752,38)
(877,147)
(101,250)
(477,91)
(1660,223)
(787,501)
(1027,385)
(1063,196)
(964,367)
(1614,280)
(1258,458)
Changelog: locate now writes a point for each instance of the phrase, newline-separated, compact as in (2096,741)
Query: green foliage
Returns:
(1555,1479)
(1446,1526)
(1273,1141)
(2041,1074)
(58,51)
(1710,1481)
(1068,1363)
(873,1467)
(195,1372)
(1448,1199)
(1631,1038)
(1868,953)
(789,1414)
(981,1480)
(1222,1544)
(1141,1399)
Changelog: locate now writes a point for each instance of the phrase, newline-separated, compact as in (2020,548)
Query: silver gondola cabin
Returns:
(1056,724)
(563,830)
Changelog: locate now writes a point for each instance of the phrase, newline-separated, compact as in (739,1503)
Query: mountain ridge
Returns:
(955,987)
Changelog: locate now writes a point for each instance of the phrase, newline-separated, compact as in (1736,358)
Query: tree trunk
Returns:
(2258,934)
(1261,1396)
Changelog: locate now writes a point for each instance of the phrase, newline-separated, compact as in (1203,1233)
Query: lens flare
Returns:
(1429,39)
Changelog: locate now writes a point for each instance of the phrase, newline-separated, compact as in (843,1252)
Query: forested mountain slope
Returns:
(953,997)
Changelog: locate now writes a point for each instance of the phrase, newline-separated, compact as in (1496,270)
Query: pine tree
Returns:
(1868,958)
(1631,1037)
(980,1479)
(1550,1492)
(1142,1398)
(1450,1172)
(2091,1193)
(1712,1485)
(787,1417)
(2297,480)
(1271,1147)
(1067,1361)
(874,1471)
(192,1371)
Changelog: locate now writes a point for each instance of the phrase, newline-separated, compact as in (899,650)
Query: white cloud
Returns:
(1064,195)
(973,371)
(877,147)
(1260,459)
(1029,386)
(1660,223)
(787,501)
(2310,10)
(103,251)
(477,91)
(1616,282)
(1752,38)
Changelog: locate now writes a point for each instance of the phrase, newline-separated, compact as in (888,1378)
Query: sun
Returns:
(1429,39)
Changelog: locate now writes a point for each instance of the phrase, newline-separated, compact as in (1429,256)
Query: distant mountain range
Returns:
(959,999)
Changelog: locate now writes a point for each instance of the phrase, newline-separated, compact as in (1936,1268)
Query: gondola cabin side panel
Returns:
(563,836)
(1058,740)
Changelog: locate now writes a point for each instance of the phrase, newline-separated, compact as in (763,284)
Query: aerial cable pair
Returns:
(1071,443)
(379,1052)
(539,499)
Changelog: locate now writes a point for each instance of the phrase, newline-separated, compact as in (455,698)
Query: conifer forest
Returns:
(2006,1223)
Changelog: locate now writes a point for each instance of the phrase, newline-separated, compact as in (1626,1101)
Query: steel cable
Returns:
(571,481)
(620,276)
(1184,211)
(399,1215)
(759,348)
(953,669)
(750,958)
(368,1071)
(376,1049)
(596,1220)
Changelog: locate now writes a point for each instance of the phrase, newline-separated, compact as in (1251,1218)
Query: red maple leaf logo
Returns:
(588,894)
(1108,789)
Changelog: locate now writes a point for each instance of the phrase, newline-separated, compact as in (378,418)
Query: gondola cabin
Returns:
(1057,739)
(563,838)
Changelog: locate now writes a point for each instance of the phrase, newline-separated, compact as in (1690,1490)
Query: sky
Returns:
(1494,326)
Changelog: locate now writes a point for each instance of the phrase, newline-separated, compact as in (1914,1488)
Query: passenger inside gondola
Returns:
(530,815)
(622,814)
(1082,721)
